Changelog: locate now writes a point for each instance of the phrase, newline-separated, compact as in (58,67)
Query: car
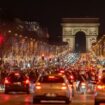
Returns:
(101,73)
(100,91)
(16,82)
(69,75)
(52,87)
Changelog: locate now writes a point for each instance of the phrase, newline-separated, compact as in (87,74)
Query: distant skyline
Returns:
(50,12)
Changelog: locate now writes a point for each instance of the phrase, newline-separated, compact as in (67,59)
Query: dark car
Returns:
(16,81)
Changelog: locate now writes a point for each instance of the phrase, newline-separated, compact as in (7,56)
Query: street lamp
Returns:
(9,31)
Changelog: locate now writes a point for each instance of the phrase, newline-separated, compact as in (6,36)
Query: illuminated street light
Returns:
(9,31)
(16,34)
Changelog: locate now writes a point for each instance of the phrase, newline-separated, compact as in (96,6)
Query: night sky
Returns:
(50,12)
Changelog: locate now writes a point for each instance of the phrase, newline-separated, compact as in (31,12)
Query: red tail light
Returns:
(38,86)
(63,86)
(6,81)
(100,87)
(51,77)
(71,77)
(17,74)
(61,71)
(27,81)
(99,77)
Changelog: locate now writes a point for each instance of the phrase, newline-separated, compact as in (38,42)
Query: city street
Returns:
(24,99)
(52,52)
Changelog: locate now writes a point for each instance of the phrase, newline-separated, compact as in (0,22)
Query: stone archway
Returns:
(71,26)
(80,42)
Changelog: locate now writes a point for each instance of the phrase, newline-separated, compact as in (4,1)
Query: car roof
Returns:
(60,74)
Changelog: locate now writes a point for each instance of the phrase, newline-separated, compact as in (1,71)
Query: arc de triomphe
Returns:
(71,26)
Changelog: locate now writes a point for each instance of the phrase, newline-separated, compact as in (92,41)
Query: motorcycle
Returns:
(71,81)
(83,87)
(92,83)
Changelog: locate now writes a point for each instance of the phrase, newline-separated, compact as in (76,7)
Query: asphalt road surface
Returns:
(24,99)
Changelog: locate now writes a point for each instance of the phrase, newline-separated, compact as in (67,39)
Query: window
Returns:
(51,79)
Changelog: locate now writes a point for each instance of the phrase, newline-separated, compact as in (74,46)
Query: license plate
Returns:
(51,95)
(17,83)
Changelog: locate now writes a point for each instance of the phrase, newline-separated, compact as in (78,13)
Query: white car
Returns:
(52,87)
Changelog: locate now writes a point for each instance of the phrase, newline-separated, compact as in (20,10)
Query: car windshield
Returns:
(16,77)
(51,79)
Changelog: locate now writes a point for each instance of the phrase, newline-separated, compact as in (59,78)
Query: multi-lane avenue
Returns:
(24,99)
